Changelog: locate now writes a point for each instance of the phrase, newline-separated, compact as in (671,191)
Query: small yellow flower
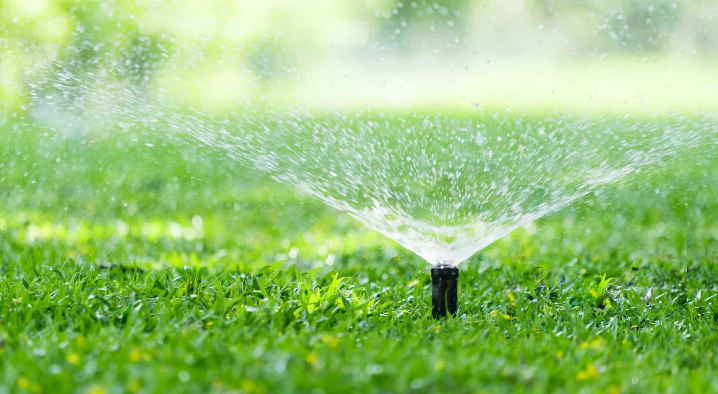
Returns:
(624,341)
(22,383)
(512,298)
(252,387)
(248,386)
(589,373)
(584,345)
(331,341)
(73,358)
(559,354)
(439,365)
(597,344)
(497,313)
(613,389)
(135,355)
(96,390)
(594,293)
(133,386)
(311,358)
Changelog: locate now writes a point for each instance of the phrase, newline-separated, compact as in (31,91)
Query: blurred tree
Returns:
(66,45)
(422,25)
(142,57)
(626,25)
(270,60)
(73,43)
(643,26)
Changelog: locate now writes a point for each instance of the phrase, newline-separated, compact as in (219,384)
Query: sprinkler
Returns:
(444,290)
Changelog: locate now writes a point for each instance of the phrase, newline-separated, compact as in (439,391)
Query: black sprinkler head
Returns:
(444,290)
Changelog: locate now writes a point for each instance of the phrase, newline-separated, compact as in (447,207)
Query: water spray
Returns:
(444,290)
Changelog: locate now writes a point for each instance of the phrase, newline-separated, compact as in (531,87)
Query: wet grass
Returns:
(177,272)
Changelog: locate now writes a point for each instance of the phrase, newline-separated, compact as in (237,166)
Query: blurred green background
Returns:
(583,56)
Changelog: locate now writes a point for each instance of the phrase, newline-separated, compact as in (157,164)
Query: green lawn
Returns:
(168,269)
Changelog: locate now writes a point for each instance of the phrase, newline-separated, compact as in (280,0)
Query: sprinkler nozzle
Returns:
(444,290)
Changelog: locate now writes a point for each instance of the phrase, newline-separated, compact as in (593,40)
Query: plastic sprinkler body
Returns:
(444,290)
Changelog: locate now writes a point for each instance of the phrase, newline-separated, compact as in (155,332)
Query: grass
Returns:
(175,271)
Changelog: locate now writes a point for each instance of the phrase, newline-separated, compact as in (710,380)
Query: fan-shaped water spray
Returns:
(443,186)
(446,187)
